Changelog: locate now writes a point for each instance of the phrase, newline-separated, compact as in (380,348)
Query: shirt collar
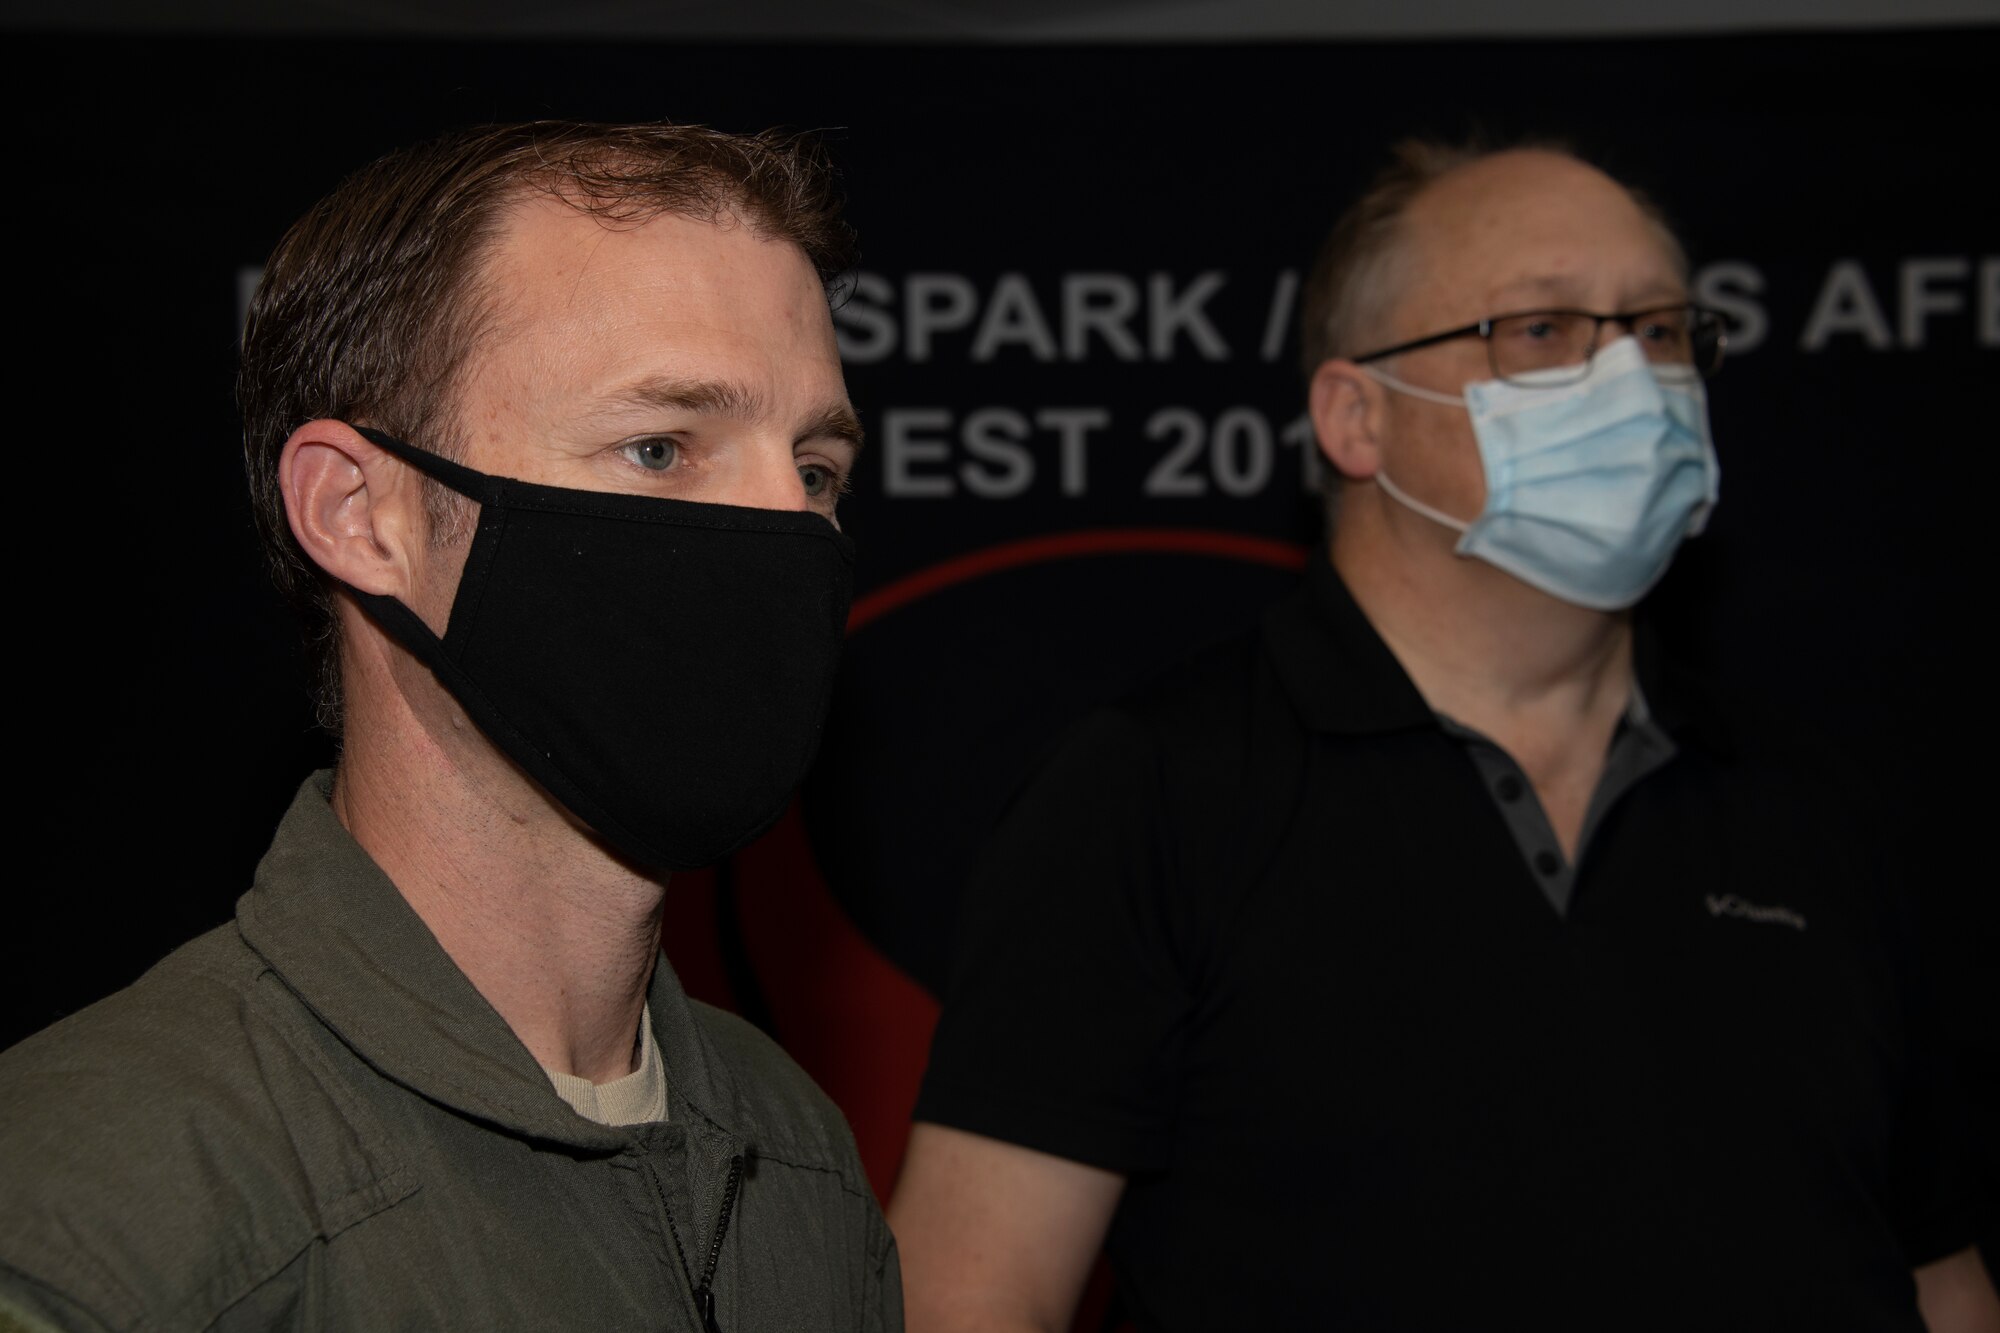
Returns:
(1318,636)
(336,932)
(637,1098)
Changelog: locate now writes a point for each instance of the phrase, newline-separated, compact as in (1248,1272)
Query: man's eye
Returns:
(820,481)
(655,454)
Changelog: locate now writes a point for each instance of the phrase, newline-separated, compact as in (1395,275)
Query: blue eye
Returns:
(819,481)
(655,454)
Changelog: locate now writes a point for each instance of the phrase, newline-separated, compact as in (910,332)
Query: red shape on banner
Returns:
(850,1017)
(1066,546)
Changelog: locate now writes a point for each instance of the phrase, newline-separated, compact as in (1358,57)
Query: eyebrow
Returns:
(717,397)
(836,423)
(730,398)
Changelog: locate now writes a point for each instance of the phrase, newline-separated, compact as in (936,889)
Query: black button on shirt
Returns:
(1638,747)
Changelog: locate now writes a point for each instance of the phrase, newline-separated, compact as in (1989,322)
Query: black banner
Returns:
(1071,342)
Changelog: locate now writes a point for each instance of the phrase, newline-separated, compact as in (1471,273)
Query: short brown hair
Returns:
(372,302)
(1359,269)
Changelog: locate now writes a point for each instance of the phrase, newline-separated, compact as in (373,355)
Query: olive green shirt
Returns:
(309,1118)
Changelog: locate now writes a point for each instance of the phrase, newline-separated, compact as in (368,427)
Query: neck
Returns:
(558,935)
(1535,673)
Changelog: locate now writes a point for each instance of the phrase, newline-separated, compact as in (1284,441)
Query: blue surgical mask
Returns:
(1591,484)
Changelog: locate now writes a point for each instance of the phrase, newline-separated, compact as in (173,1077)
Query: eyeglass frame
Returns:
(1484,331)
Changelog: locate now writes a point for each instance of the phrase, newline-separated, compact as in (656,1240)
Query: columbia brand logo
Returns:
(1731,905)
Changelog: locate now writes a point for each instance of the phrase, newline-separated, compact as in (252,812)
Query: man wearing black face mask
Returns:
(546,427)
(1433,958)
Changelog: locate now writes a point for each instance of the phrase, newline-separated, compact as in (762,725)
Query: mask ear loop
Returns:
(1411,502)
(1396,492)
(472,485)
(1413,390)
(403,624)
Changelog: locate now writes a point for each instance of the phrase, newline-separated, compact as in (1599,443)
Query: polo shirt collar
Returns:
(336,932)
(1319,636)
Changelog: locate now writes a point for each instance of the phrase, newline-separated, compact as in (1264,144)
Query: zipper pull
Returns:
(706,1298)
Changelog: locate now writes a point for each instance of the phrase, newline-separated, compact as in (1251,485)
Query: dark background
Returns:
(1846,576)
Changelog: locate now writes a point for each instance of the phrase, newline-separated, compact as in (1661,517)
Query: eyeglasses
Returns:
(1534,346)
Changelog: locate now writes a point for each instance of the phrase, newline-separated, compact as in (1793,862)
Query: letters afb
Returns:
(1925,291)
(1129,318)
(1913,305)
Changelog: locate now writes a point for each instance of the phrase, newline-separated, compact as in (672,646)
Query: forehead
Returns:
(1519,229)
(577,304)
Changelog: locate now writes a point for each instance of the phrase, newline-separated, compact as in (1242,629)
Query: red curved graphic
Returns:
(854,1020)
(1068,545)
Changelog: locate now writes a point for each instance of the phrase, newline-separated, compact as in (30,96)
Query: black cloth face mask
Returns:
(661,667)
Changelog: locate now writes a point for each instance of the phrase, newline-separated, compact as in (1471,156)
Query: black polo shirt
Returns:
(1263,941)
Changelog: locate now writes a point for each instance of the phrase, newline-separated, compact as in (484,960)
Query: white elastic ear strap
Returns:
(1413,390)
(1396,492)
(1408,502)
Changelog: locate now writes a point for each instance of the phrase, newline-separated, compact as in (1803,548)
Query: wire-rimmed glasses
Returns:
(1536,347)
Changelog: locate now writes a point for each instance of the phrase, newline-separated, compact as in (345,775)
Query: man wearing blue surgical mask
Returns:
(1512,402)
(1435,958)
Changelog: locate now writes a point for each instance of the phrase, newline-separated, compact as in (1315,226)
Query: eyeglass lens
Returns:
(1540,341)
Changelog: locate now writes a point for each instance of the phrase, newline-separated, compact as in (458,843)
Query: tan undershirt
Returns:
(635,1099)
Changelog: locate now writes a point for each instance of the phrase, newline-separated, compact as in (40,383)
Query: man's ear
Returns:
(355,509)
(1347,407)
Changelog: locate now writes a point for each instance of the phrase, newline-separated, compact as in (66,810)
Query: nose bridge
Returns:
(1623,323)
(1621,328)
(766,477)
